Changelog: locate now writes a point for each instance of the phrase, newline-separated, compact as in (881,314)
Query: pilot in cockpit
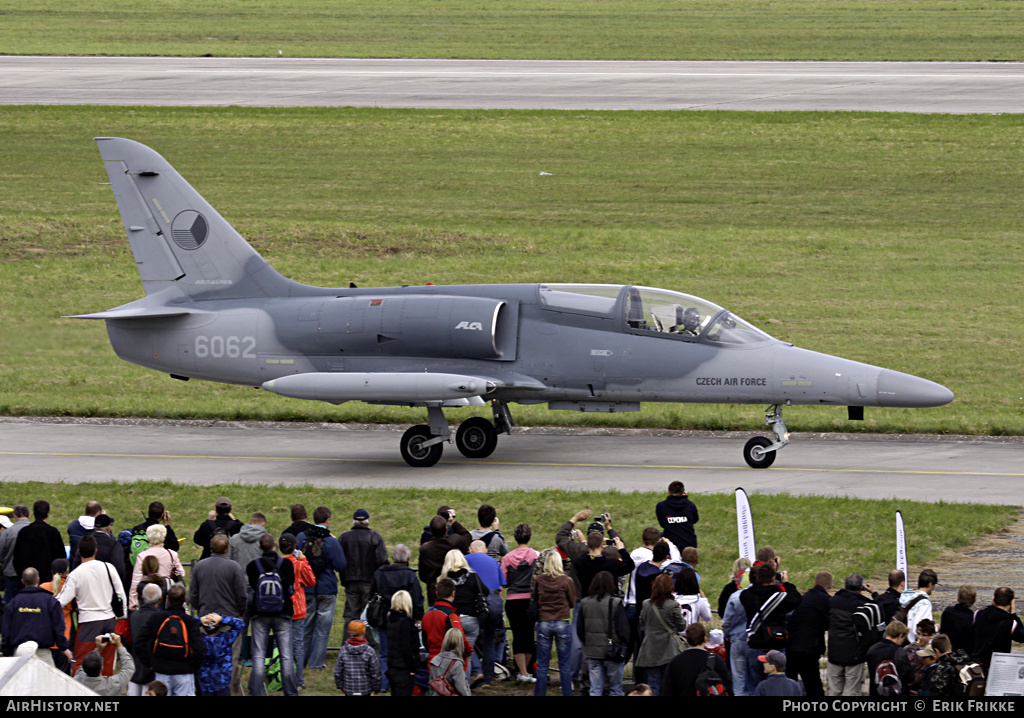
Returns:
(687,321)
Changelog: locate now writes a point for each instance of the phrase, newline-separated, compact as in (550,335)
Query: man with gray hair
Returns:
(152,595)
(366,552)
(848,638)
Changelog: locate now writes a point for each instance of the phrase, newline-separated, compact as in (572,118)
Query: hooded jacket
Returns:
(357,671)
(677,515)
(245,545)
(921,610)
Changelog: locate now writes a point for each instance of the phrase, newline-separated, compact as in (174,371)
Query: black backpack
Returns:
(313,550)
(171,642)
(708,682)
(869,624)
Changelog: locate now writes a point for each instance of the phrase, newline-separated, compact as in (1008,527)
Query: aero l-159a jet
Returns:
(215,310)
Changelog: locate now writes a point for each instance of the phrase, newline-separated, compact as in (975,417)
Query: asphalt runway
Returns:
(334,455)
(946,87)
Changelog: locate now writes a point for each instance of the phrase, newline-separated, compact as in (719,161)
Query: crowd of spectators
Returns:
(120,612)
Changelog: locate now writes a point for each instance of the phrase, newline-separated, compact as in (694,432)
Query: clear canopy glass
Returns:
(659,311)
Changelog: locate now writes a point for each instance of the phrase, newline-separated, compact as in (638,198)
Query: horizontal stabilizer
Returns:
(137,313)
(403,388)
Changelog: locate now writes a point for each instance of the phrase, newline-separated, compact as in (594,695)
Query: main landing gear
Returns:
(476,437)
(759,452)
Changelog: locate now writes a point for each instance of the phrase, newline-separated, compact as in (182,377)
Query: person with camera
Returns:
(92,664)
(766,602)
(447,534)
(596,559)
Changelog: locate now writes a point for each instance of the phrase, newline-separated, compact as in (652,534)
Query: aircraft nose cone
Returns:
(898,389)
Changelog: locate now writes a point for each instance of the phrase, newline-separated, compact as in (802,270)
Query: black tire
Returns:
(415,455)
(476,438)
(763,460)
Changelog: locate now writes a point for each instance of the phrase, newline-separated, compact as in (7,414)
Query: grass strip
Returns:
(559,29)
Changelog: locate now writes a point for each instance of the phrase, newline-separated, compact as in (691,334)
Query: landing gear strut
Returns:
(759,453)
(476,437)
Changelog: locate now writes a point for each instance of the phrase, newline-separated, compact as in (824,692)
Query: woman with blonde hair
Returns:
(470,596)
(403,645)
(555,596)
(447,665)
(169,564)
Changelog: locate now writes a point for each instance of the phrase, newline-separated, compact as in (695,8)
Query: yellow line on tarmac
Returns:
(513,463)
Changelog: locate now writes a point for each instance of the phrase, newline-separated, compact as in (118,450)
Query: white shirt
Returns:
(90,585)
(641,555)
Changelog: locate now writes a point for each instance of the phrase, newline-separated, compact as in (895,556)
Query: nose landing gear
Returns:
(759,453)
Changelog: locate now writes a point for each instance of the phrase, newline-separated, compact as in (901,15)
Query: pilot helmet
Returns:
(691,319)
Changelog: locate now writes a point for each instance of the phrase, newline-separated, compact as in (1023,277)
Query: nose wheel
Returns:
(756,455)
(759,453)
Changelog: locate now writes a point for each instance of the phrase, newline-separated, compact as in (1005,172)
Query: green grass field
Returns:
(611,29)
(891,239)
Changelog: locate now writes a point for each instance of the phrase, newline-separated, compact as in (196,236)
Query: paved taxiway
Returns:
(955,87)
(866,466)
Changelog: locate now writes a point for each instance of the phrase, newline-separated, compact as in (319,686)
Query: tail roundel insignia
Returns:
(189,229)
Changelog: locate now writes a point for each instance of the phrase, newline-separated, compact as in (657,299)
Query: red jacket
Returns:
(303,577)
(436,623)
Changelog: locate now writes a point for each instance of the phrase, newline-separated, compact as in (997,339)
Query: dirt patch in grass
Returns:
(994,560)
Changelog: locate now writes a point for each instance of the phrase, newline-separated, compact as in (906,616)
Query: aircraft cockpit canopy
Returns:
(658,311)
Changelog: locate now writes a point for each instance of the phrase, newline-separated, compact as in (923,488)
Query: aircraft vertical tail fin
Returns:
(177,238)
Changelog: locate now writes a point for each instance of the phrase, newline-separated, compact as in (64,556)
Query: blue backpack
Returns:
(270,589)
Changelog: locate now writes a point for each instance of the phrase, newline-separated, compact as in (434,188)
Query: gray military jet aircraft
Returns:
(215,310)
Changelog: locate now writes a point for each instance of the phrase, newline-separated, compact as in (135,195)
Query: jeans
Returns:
(654,676)
(382,658)
(299,650)
(738,664)
(605,673)
(319,617)
(755,671)
(577,651)
(484,655)
(282,628)
(183,684)
(561,633)
(471,627)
